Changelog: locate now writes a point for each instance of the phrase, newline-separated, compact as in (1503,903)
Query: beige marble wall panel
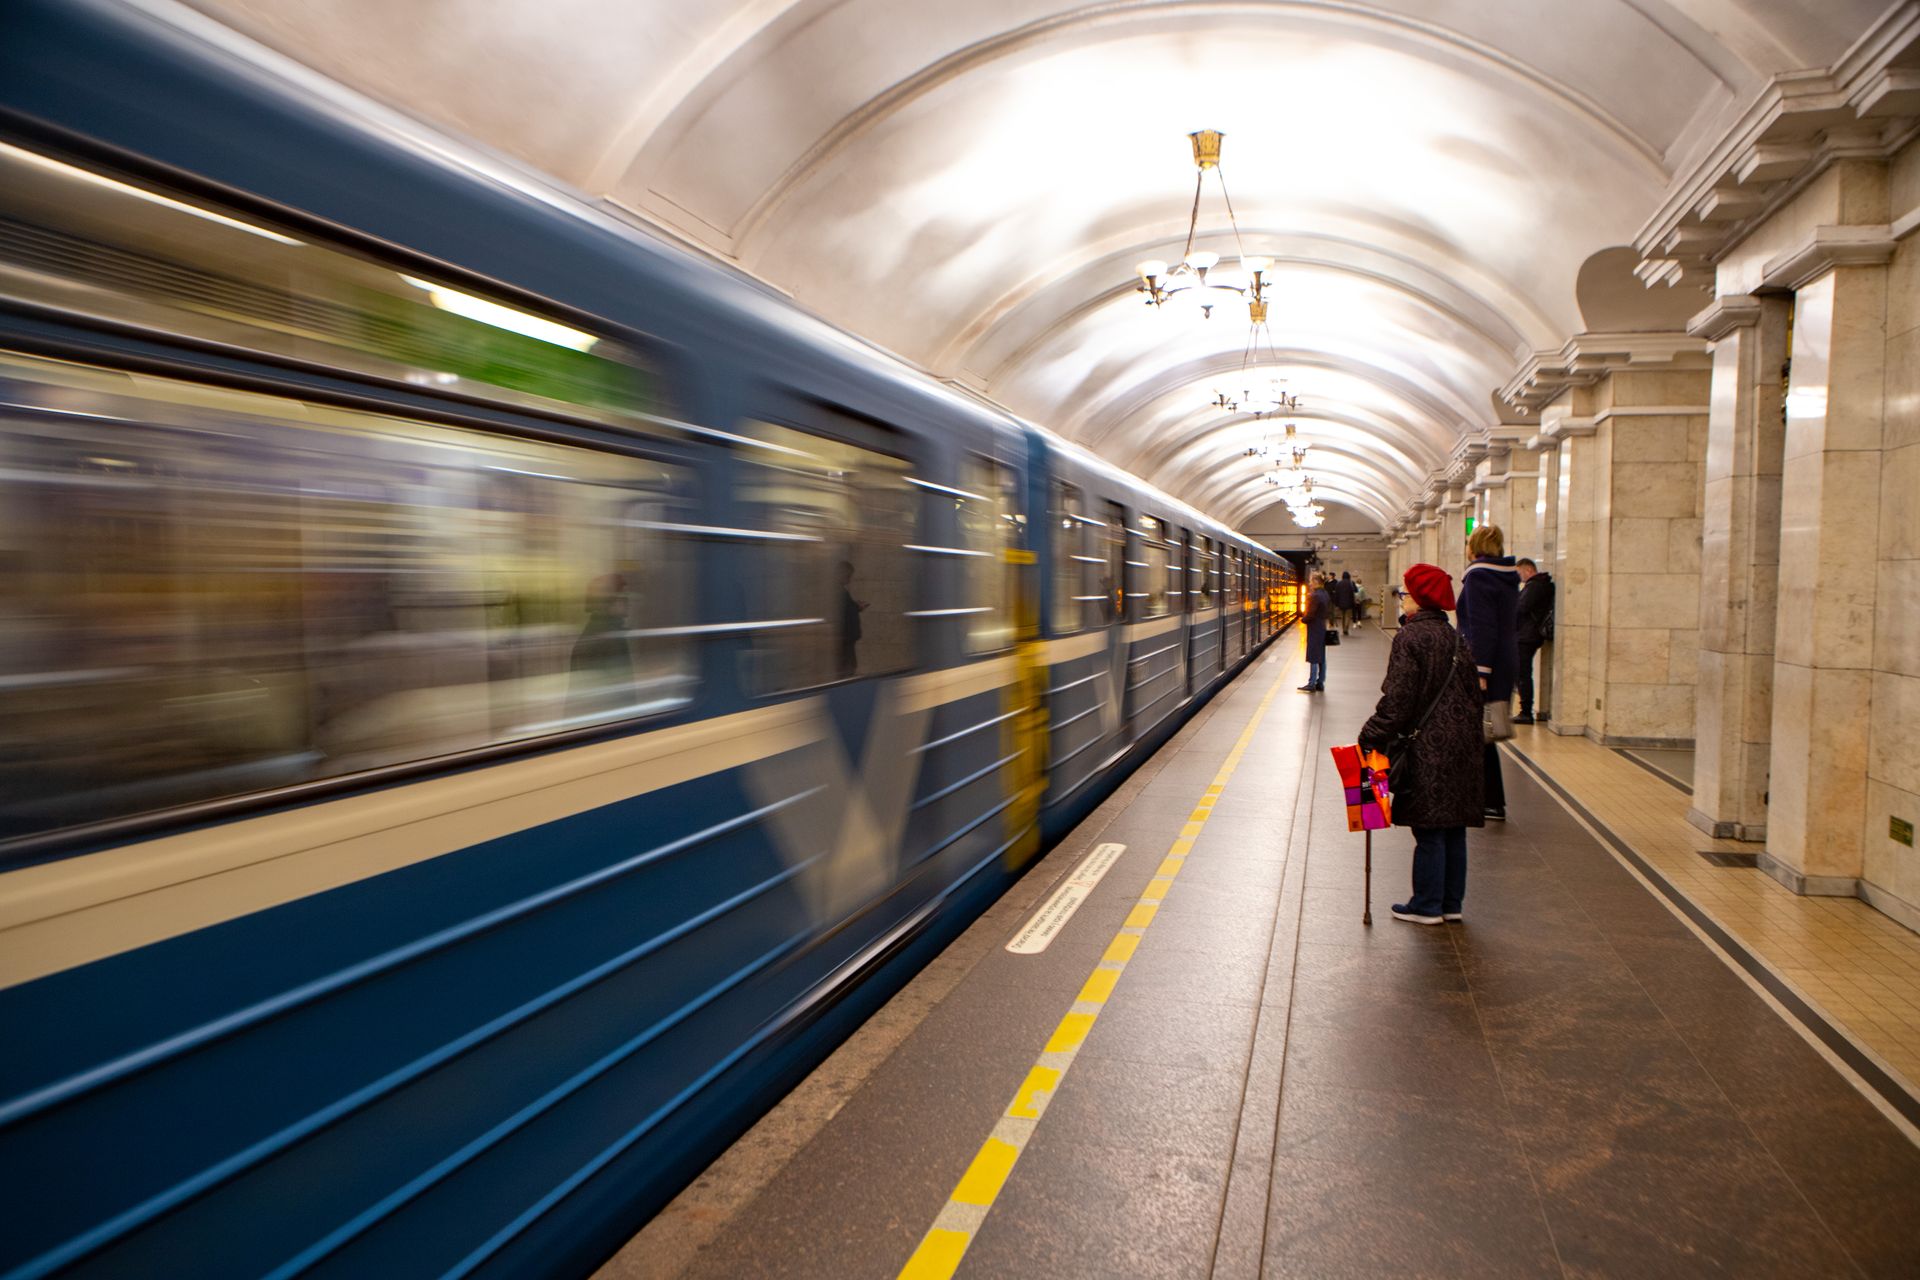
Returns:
(1665,600)
(1683,657)
(1902,421)
(1649,710)
(1637,655)
(1896,631)
(1636,388)
(1756,726)
(1893,751)
(1661,438)
(1890,865)
(1683,546)
(1669,490)
(1903,284)
(1639,544)
(1818,833)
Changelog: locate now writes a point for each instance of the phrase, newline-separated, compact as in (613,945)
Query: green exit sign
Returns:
(1902,830)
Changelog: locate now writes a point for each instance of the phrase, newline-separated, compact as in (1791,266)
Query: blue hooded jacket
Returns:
(1488,611)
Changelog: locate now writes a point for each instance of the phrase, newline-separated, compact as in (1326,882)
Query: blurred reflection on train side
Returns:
(206,592)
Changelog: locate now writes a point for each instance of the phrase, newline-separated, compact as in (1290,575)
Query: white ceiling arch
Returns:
(968,182)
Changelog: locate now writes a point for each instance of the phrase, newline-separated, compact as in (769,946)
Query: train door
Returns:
(1188,602)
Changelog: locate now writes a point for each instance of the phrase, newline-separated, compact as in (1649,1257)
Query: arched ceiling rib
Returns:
(968,182)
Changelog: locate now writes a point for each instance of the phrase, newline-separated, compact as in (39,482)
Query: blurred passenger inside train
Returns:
(1427,724)
(847,635)
(600,668)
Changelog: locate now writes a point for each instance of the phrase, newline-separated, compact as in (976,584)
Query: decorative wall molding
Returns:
(1725,314)
(1568,428)
(1865,105)
(1588,357)
(1827,248)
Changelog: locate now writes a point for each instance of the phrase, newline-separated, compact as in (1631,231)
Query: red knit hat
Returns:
(1429,585)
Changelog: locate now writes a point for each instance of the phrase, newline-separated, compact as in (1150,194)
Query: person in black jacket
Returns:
(1535,629)
(1488,613)
(1342,594)
(1436,779)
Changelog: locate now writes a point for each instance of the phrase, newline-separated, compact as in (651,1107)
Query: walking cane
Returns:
(1366,910)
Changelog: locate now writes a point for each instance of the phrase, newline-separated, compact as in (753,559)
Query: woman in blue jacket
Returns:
(1488,610)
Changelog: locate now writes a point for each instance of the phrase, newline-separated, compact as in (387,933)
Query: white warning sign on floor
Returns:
(1040,928)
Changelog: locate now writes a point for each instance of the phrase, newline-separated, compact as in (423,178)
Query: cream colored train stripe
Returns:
(73,911)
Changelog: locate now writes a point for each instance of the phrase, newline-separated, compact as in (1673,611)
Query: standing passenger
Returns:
(1535,629)
(1318,607)
(1427,724)
(848,631)
(1489,611)
(1343,596)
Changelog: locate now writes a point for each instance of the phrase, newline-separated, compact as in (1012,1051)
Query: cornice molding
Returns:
(1568,428)
(1588,357)
(1865,105)
(1827,248)
(1725,314)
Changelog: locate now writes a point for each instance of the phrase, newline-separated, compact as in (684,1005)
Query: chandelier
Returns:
(1268,445)
(1198,279)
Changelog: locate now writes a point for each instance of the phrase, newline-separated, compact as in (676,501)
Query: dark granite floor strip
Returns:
(1883,1084)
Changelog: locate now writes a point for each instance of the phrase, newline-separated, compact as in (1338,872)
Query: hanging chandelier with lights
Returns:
(1198,279)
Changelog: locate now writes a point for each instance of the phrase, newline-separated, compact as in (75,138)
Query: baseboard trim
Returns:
(1809,886)
(1891,905)
(1713,826)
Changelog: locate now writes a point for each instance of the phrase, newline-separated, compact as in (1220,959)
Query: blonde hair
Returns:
(1487,540)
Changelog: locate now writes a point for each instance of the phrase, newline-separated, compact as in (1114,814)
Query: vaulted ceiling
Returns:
(969,182)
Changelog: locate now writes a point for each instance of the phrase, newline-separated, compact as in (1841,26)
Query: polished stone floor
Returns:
(1571,1083)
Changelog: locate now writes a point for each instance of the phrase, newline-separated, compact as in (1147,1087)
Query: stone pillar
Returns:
(1450,540)
(1823,668)
(1546,509)
(1647,502)
(1739,564)
(1567,424)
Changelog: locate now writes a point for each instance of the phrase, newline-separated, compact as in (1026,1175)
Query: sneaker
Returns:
(1523,718)
(1496,815)
(1451,917)
(1401,911)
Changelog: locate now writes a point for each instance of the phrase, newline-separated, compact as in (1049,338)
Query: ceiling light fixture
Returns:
(1197,279)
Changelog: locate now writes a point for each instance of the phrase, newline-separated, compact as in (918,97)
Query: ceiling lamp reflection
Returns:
(1197,281)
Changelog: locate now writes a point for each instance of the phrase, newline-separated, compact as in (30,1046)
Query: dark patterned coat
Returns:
(1316,628)
(1447,787)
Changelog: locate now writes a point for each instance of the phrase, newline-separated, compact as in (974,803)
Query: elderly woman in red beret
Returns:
(1427,724)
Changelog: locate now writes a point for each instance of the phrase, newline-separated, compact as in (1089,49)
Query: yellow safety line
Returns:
(945,1243)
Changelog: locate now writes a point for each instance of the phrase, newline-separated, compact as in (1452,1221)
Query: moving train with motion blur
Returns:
(486,699)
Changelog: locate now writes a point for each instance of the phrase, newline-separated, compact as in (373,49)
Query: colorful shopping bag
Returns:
(1368,788)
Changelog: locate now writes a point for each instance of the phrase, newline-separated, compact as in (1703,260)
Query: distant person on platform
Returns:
(1535,629)
(1342,593)
(847,632)
(1318,607)
(1489,614)
(1427,724)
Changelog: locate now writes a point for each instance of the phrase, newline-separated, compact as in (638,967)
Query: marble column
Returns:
(1546,509)
(1450,541)
(1823,667)
(1568,427)
(1739,564)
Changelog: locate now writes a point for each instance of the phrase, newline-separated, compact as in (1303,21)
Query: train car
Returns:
(486,700)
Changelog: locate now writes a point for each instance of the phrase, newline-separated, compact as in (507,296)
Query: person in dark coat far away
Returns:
(1342,594)
(1535,629)
(1315,617)
(1429,667)
(1489,612)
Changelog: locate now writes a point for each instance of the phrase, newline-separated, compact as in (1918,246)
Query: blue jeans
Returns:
(1317,672)
(1439,870)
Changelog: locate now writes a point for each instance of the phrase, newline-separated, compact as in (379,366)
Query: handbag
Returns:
(1496,721)
(1333,636)
(1401,777)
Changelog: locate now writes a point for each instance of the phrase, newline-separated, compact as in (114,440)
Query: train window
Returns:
(1077,596)
(1182,573)
(1208,572)
(989,520)
(832,591)
(206,593)
(1114,587)
(1152,565)
(132,254)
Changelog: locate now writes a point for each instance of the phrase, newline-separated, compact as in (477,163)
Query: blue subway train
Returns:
(487,700)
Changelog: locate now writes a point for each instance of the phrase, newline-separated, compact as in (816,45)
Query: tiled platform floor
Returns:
(1569,1084)
(1856,965)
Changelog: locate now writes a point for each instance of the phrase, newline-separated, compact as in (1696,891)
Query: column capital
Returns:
(1725,314)
(1569,428)
(1826,248)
